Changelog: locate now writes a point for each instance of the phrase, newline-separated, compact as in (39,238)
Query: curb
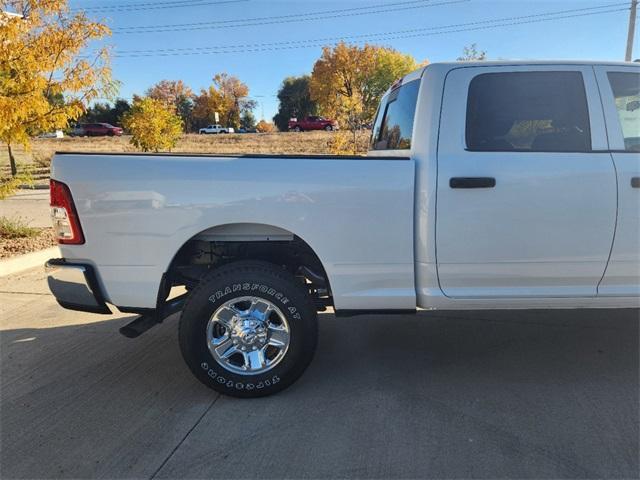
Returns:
(20,263)
(37,186)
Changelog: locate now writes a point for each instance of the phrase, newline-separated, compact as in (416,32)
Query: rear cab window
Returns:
(393,126)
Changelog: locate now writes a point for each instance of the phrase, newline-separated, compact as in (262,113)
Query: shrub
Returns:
(8,185)
(16,228)
(153,125)
(265,127)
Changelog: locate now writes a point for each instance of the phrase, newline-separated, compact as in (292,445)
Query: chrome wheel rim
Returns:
(248,335)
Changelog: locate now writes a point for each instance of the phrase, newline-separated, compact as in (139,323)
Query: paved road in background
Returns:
(30,205)
(456,395)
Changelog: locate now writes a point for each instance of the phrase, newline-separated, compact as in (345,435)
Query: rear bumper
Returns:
(75,286)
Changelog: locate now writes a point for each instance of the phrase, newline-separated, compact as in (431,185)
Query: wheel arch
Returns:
(222,244)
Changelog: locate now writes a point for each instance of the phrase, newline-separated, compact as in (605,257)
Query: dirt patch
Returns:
(10,247)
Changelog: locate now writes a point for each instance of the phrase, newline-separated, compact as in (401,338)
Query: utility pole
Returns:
(632,30)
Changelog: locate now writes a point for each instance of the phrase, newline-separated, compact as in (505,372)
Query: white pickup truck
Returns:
(212,129)
(488,186)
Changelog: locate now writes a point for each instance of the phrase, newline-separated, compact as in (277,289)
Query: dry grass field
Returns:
(270,143)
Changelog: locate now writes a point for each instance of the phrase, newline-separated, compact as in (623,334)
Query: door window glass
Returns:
(529,112)
(626,90)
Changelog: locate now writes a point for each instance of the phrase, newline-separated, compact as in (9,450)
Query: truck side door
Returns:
(526,189)
(620,90)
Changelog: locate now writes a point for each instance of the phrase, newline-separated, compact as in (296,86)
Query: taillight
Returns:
(66,224)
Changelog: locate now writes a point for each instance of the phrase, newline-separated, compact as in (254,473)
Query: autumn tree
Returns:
(348,81)
(46,79)
(471,53)
(205,106)
(228,96)
(294,101)
(153,125)
(177,95)
(265,127)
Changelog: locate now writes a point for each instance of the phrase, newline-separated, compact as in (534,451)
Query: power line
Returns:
(399,34)
(172,2)
(154,6)
(291,18)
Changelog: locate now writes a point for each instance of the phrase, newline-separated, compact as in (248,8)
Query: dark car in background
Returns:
(96,130)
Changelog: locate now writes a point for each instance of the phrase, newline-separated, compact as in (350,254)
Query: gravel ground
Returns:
(10,247)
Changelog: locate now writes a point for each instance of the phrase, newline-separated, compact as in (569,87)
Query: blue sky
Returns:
(599,37)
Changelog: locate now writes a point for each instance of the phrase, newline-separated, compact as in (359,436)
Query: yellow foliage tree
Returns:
(206,105)
(177,95)
(44,80)
(228,96)
(265,127)
(348,81)
(153,125)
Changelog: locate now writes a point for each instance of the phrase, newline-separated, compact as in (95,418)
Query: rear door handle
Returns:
(472,182)
(635,182)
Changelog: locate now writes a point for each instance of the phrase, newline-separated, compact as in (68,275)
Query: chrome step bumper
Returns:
(75,286)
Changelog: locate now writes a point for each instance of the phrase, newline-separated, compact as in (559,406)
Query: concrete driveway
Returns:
(457,395)
(32,206)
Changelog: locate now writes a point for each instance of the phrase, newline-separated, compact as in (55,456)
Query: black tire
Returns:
(297,129)
(256,279)
(328,128)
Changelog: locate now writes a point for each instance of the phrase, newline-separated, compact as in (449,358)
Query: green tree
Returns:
(294,101)
(248,120)
(105,113)
(153,125)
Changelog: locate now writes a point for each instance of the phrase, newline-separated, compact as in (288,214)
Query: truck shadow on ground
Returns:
(455,394)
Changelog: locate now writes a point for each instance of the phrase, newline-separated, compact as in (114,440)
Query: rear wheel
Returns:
(248,329)
(328,128)
(297,129)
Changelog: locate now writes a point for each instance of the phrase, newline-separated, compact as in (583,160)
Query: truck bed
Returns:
(138,210)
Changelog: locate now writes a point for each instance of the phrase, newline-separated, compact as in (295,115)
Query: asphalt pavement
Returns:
(535,394)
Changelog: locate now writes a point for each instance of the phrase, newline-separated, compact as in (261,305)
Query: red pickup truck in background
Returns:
(312,123)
